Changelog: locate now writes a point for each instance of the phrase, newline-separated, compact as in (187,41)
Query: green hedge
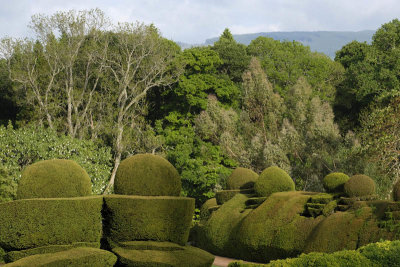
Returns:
(334,182)
(53,179)
(225,195)
(152,256)
(271,180)
(276,229)
(19,254)
(147,175)
(204,210)
(359,185)
(346,230)
(383,254)
(129,218)
(241,178)
(217,235)
(76,257)
(38,222)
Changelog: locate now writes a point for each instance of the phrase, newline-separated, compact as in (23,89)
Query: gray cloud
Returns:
(193,21)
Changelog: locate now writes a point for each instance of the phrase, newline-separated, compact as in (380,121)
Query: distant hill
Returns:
(327,42)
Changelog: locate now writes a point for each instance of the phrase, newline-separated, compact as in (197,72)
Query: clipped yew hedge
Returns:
(272,180)
(241,178)
(31,223)
(225,195)
(359,185)
(147,175)
(53,179)
(153,254)
(129,218)
(19,254)
(204,210)
(334,182)
(76,257)
(383,254)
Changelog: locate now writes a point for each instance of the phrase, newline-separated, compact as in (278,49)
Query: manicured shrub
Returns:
(52,179)
(359,185)
(204,210)
(225,195)
(276,229)
(151,256)
(396,191)
(241,178)
(147,175)
(19,254)
(73,257)
(271,180)
(128,218)
(345,230)
(385,254)
(217,235)
(30,223)
(334,182)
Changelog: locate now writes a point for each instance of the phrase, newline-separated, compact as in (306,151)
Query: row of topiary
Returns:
(56,221)
(383,254)
(272,221)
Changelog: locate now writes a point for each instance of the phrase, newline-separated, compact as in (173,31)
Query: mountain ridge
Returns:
(327,42)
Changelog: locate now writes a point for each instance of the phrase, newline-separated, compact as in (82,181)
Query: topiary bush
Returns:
(204,210)
(53,179)
(30,223)
(71,257)
(147,175)
(271,180)
(334,182)
(162,254)
(359,185)
(396,191)
(128,218)
(385,253)
(241,178)
(19,254)
(225,195)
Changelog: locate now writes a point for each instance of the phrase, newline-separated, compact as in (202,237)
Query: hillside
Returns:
(327,42)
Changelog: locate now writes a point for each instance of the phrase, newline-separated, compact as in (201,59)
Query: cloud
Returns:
(193,21)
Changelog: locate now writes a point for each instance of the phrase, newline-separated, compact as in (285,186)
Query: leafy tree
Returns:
(60,76)
(371,74)
(24,146)
(8,101)
(285,62)
(202,165)
(381,144)
(138,60)
(233,55)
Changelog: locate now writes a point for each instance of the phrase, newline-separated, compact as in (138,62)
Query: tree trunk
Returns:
(118,153)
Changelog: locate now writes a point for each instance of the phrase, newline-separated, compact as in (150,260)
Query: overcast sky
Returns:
(193,21)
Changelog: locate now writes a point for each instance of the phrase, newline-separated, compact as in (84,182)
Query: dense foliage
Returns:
(207,110)
(27,145)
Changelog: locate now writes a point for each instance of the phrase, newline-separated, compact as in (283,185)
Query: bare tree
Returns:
(139,59)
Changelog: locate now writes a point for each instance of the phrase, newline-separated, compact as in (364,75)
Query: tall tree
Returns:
(138,60)
(60,75)
(233,55)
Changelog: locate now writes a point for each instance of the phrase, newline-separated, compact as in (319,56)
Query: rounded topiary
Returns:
(359,185)
(271,180)
(147,175)
(241,178)
(396,191)
(55,178)
(334,182)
